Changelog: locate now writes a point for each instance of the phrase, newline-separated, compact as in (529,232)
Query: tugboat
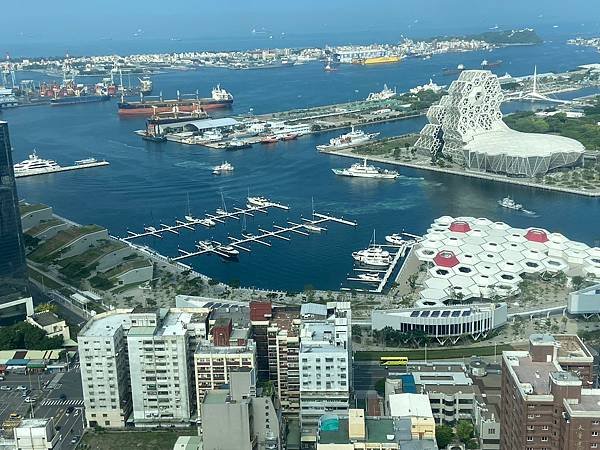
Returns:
(237,144)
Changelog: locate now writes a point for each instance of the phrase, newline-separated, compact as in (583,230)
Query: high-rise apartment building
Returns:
(545,404)
(325,363)
(15,298)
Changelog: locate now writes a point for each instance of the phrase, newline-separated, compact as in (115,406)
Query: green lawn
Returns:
(438,353)
(138,440)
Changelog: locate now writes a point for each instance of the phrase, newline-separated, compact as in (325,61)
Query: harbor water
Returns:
(148,183)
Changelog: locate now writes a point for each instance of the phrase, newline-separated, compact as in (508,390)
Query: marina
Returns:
(278,232)
(254,205)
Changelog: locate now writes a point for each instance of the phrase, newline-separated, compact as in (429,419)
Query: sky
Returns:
(60,24)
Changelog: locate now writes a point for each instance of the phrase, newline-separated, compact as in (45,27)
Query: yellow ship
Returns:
(382,60)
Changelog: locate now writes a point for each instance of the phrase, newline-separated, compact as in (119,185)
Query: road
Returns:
(48,401)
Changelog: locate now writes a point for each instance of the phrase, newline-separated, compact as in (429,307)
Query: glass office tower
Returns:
(15,299)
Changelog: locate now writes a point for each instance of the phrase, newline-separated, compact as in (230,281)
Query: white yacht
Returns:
(34,165)
(369,277)
(83,162)
(261,202)
(396,239)
(373,256)
(222,168)
(365,171)
(355,137)
(211,136)
(227,251)
(509,203)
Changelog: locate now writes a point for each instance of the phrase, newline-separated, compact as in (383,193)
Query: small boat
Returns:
(83,162)
(396,239)
(227,251)
(288,137)
(190,218)
(269,139)
(222,168)
(369,277)
(313,228)
(154,137)
(237,144)
(207,222)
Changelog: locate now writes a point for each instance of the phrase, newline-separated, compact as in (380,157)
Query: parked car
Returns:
(70,409)
(62,397)
(4,387)
(74,439)
(21,388)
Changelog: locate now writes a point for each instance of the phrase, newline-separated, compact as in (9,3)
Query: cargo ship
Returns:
(486,64)
(220,98)
(381,60)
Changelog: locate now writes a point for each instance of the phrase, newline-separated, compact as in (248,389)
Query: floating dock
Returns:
(66,169)
(278,232)
(208,221)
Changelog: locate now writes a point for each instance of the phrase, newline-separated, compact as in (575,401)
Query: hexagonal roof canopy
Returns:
(510,266)
(437,283)
(434,294)
(486,268)
(555,265)
(445,259)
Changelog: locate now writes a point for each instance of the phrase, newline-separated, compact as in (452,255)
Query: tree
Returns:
(577,282)
(380,386)
(46,307)
(444,435)
(464,431)
(309,291)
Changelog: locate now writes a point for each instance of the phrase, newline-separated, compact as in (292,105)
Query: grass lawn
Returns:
(138,440)
(437,353)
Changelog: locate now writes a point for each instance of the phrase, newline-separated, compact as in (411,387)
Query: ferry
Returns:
(384,94)
(220,98)
(355,137)
(222,168)
(34,165)
(365,171)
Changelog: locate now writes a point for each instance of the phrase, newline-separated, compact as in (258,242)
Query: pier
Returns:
(208,221)
(278,232)
(400,253)
(65,169)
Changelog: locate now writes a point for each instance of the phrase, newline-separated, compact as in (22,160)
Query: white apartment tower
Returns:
(325,362)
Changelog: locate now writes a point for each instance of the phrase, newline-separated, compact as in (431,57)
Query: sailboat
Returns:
(311,227)
(189,216)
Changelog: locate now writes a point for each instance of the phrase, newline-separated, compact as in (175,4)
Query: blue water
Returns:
(148,183)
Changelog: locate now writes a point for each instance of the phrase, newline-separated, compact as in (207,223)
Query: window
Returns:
(530,416)
(529,438)
(594,433)
(544,438)
(594,446)
(545,427)
(530,427)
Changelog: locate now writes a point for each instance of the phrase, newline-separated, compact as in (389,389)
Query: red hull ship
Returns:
(220,99)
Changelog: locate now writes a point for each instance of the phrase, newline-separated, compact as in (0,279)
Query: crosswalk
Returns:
(56,402)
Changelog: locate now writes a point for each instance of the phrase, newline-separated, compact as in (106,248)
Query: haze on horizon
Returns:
(75,23)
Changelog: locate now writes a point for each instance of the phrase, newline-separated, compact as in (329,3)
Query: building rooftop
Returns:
(34,423)
(105,325)
(216,397)
(377,431)
(308,310)
(514,143)
(188,443)
(589,405)
(47,318)
(410,405)
(528,372)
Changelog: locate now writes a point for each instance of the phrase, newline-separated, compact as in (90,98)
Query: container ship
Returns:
(220,98)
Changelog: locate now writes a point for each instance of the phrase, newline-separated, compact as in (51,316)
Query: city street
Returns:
(47,389)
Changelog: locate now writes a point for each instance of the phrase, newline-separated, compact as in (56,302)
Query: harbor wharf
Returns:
(426,165)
